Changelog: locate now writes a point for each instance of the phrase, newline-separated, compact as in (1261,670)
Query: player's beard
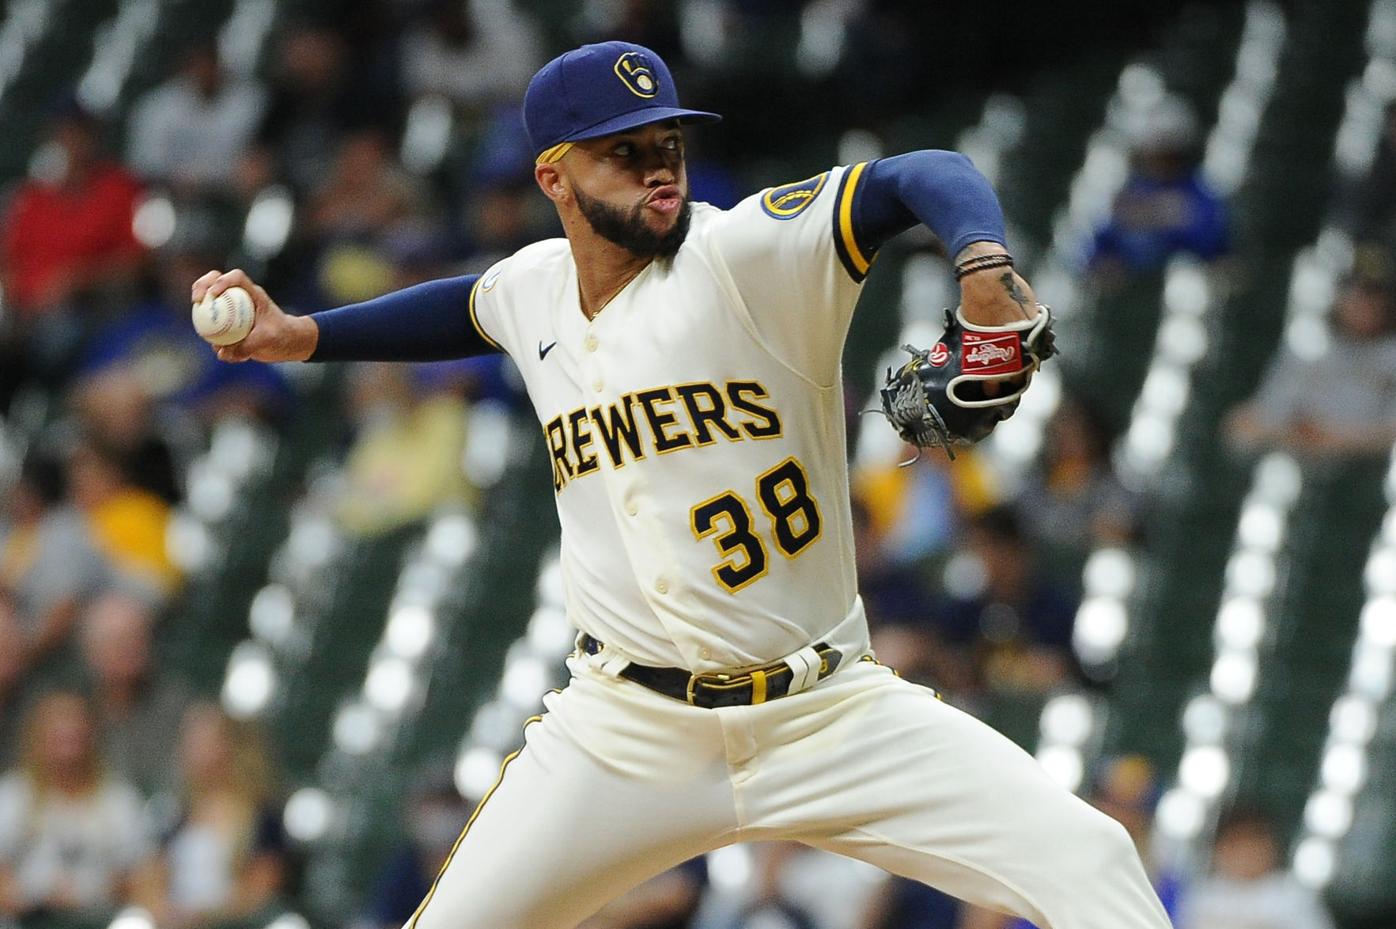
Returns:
(628,229)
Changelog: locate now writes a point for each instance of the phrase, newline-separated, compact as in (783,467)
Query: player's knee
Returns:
(495,910)
(1099,843)
(1091,841)
(454,918)
(1115,841)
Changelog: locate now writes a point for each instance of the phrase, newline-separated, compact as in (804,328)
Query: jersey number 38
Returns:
(783,493)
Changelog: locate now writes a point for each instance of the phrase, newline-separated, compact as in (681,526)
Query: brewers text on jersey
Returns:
(676,417)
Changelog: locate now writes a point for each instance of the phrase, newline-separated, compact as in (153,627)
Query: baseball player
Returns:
(684,364)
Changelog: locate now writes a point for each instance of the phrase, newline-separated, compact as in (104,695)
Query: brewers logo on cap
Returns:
(576,97)
(634,70)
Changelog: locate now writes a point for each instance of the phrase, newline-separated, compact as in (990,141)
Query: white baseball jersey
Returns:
(696,430)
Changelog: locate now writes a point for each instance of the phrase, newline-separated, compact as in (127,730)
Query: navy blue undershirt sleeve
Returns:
(942,190)
(428,322)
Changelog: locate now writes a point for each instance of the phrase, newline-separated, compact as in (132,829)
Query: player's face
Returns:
(632,188)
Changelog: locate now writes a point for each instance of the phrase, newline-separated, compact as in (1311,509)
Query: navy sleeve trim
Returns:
(475,319)
(855,256)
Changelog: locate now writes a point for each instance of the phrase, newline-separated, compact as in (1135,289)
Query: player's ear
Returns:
(550,181)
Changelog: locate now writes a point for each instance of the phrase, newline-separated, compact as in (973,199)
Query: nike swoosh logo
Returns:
(543,352)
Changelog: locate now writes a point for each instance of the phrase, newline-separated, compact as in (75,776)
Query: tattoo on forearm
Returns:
(1015,292)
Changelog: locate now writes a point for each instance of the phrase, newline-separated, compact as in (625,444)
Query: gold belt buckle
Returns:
(758,678)
(695,679)
(716,682)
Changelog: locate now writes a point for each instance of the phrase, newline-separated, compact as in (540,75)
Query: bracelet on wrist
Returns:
(982,263)
(982,259)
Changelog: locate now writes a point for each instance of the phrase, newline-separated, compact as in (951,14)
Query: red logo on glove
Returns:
(991,354)
(939,355)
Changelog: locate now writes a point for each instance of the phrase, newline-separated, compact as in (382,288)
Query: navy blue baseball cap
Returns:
(599,89)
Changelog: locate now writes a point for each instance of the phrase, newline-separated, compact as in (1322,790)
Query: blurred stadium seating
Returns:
(1242,640)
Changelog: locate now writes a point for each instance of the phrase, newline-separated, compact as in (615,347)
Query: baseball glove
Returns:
(937,399)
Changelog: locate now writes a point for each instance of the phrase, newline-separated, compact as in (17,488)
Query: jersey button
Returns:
(591,343)
(705,654)
(632,508)
(661,586)
(597,384)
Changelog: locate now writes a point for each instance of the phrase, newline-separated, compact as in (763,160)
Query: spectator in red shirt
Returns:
(66,238)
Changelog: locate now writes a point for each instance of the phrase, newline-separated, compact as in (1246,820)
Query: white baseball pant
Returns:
(616,784)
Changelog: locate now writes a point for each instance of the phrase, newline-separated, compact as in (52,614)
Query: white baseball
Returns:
(225,319)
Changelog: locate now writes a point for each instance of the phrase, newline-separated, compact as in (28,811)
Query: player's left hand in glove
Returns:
(938,398)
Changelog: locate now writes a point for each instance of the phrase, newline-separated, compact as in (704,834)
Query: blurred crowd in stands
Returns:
(380,149)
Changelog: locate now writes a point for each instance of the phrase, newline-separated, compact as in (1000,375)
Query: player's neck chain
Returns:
(602,304)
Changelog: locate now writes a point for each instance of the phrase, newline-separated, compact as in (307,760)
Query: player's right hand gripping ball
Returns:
(937,399)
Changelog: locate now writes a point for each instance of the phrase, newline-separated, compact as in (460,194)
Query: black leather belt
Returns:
(742,688)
